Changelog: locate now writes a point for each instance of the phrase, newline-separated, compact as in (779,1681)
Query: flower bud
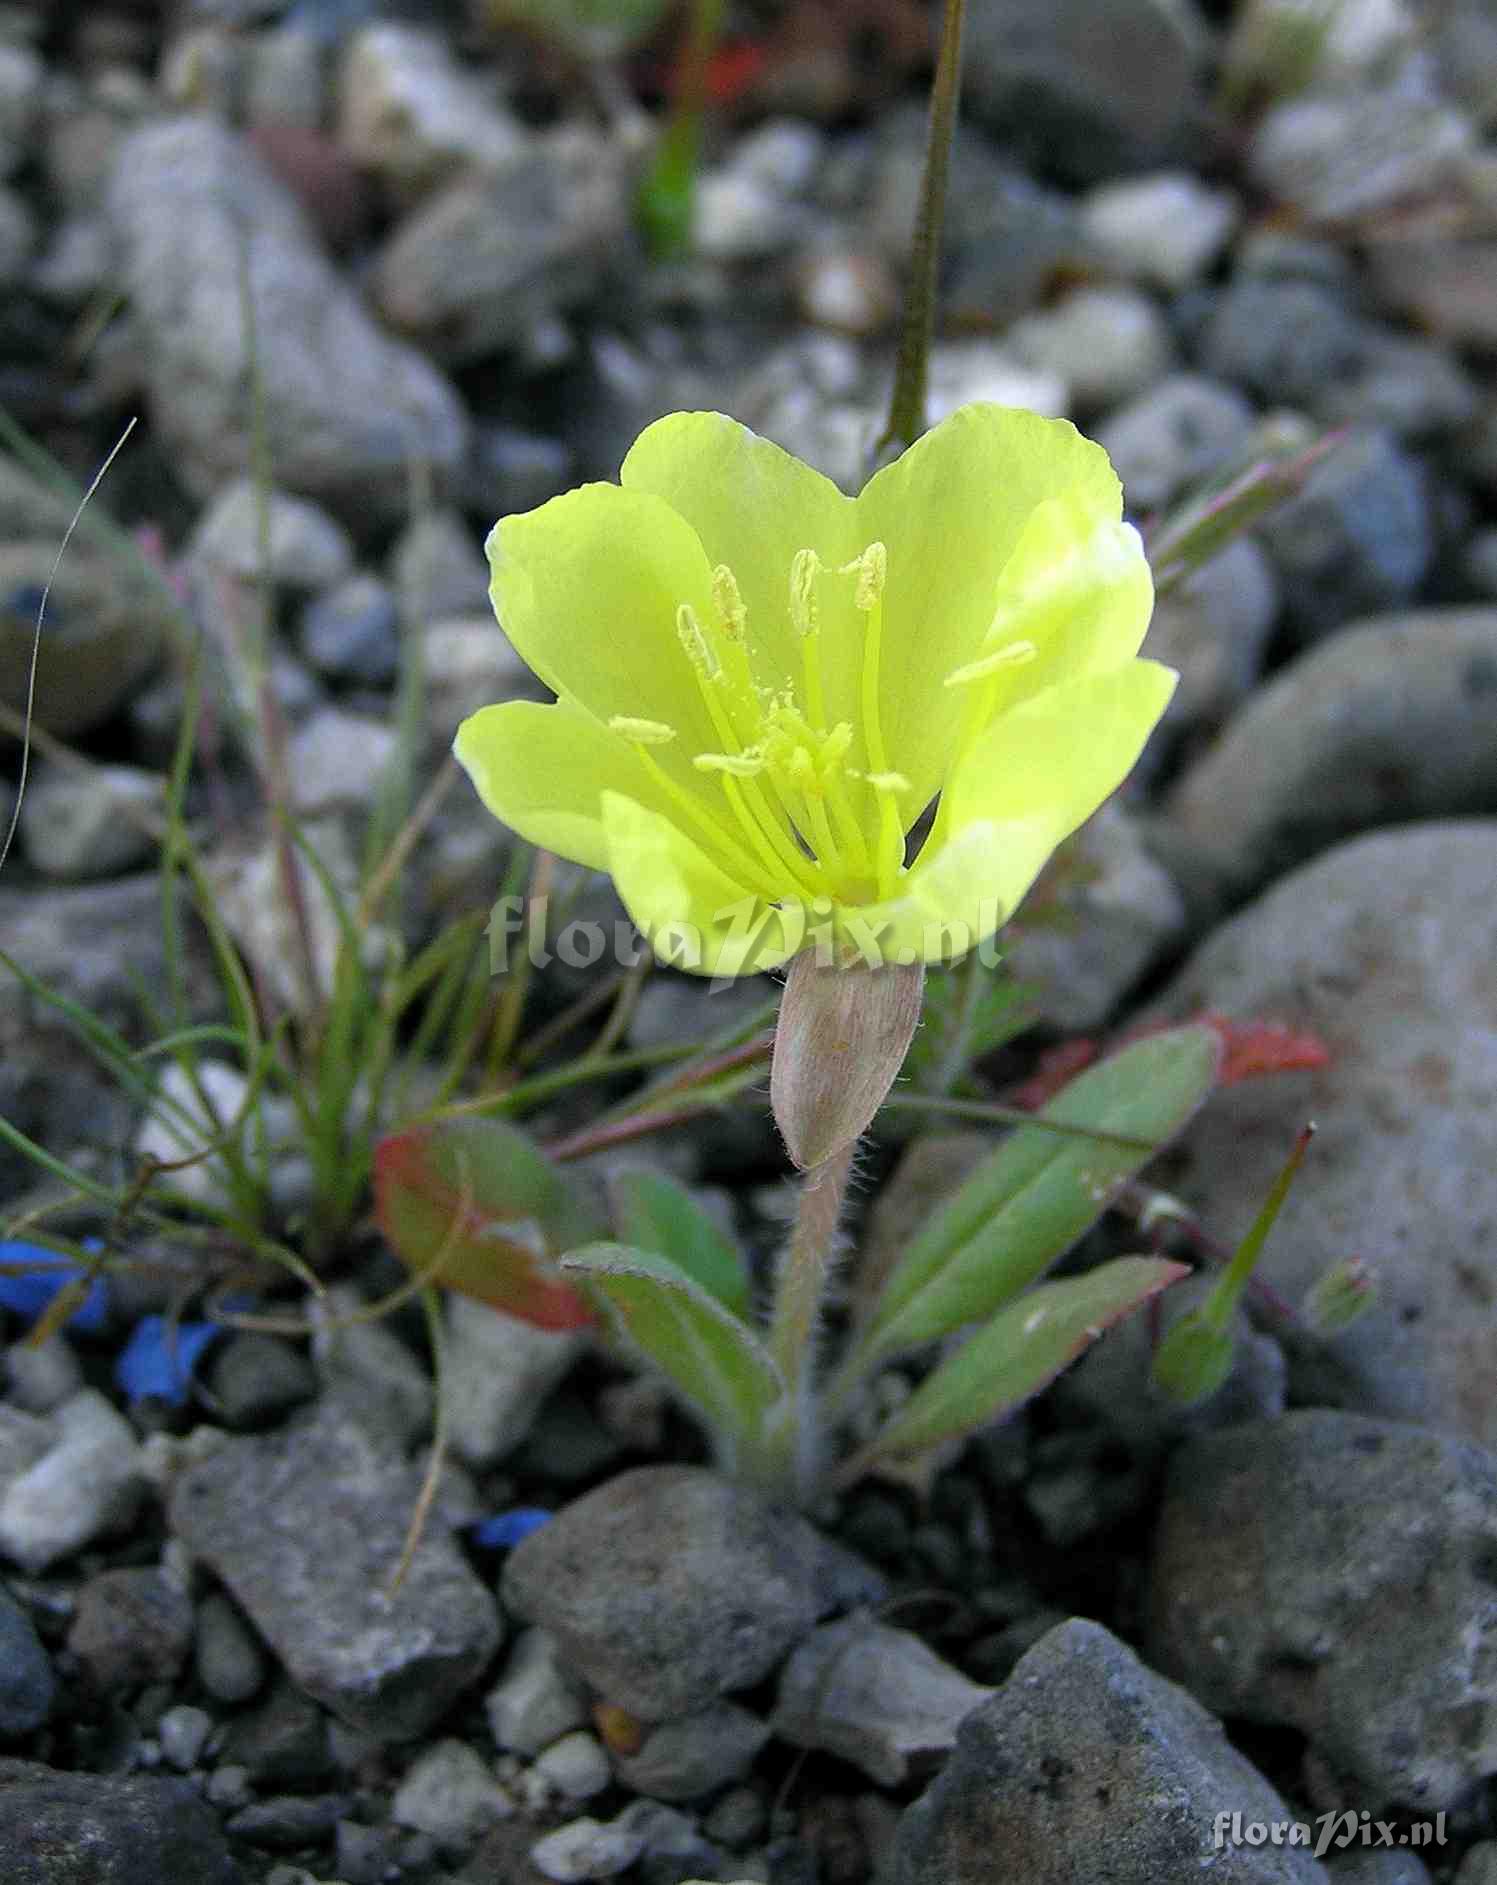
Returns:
(842,1037)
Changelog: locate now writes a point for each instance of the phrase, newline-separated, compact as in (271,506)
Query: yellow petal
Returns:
(754,508)
(1047,765)
(542,770)
(588,588)
(691,911)
(952,510)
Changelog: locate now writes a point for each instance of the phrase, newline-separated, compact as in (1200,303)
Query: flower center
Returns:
(797,818)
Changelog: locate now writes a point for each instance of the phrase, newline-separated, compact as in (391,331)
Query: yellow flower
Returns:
(762,684)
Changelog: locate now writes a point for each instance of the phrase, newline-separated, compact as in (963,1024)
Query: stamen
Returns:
(805,567)
(727,599)
(643,732)
(1014,655)
(695,643)
(872,569)
(741,765)
(887,781)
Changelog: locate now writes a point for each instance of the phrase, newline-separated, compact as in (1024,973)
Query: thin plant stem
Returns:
(907,404)
(800,1287)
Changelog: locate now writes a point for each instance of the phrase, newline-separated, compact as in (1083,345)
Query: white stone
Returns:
(576,1765)
(1105,344)
(964,370)
(495,1375)
(86,1483)
(784,154)
(1166,229)
(587,1849)
(335,760)
(306,548)
(93,823)
(1336,158)
(737,218)
(410,113)
(178,1125)
(183,1733)
(449,1793)
(533,1705)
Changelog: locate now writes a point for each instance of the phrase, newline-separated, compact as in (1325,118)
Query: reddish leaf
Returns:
(473,1203)
(1250,1048)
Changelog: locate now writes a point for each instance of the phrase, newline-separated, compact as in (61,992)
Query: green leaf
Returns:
(1020,1351)
(473,1205)
(1024,1207)
(716,1361)
(653,1212)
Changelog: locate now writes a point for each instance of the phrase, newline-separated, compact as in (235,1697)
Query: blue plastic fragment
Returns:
(506,1530)
(157,1361)
(47,1272)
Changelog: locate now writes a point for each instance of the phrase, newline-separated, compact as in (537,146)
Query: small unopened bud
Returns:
(842,1037)
(1335,1300)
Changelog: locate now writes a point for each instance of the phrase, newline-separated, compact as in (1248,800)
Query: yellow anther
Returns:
(740,765)
(642,732)
(727,599)
(834,747)
(805,567)
(695,643)
(1014,655)
(887,781)
(871,568)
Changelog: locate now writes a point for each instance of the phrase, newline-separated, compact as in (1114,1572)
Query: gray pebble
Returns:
(183,1733)
(27,1684)
(229,1661)
(349,633)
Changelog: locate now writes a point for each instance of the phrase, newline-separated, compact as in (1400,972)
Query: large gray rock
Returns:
(1383,949)
(95,1829)
(476,267)
(1087,88)
(1335,1574)
(1085,1766)
(1390,720)
(348,410)
(670,1586)
(305,1527)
